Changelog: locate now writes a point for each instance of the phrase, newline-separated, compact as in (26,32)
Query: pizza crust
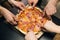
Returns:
(38,34)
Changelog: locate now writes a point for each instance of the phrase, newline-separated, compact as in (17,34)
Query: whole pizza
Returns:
(31,19)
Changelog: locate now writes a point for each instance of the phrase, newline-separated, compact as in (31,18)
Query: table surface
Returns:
(8,32)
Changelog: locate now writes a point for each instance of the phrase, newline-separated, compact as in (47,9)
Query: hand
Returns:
(17,4)
(50,9)
(34,2)
(8,15)
(11,18)
(30,36)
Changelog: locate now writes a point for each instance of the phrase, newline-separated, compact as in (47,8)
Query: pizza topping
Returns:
(31,19)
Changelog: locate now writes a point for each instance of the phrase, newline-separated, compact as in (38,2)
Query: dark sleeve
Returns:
(2,1)
(6,4)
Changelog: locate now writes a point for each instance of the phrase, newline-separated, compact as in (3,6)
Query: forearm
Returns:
(52,27)
(3,10)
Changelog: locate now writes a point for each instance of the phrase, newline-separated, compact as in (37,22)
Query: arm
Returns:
(50,26)
(10,17)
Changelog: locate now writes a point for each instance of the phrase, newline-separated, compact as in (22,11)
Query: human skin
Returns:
(9,16)
(49,26)
(18,4)
(30,36)
(34,2)
(50,8)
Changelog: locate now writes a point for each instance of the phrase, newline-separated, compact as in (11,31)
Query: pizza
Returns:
(31,19)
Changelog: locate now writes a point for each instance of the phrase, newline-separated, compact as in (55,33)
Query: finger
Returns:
(20,11)
(15,18)
(44,12)
(13,22)
(29,3)
(10,22)
(34,4)
(47,14)
(22,6)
